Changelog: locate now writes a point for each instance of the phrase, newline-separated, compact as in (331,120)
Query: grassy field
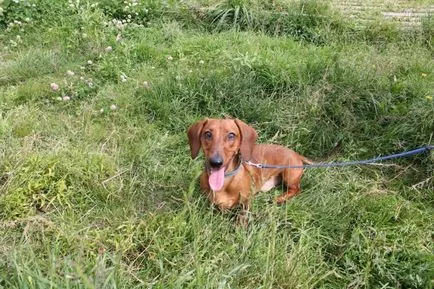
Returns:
(97,188)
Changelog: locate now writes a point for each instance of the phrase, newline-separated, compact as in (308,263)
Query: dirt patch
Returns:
(404,12)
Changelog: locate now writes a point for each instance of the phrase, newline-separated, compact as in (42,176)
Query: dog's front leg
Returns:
(244,216)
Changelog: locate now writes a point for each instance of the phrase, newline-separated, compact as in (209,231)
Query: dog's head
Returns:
(221,140)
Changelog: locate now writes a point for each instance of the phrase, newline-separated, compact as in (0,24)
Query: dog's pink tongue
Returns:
(216,179)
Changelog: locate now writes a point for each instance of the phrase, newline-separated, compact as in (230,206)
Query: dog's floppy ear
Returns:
(193,133)
(248,139)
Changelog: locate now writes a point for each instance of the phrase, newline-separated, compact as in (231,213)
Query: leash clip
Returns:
(259,166)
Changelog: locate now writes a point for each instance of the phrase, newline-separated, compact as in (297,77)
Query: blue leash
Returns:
(342,164)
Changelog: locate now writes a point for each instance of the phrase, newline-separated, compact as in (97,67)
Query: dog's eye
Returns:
(207,135)
(231,136)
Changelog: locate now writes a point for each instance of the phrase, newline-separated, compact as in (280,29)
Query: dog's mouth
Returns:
(216,178)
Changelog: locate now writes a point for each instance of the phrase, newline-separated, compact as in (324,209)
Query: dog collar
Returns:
(233,172)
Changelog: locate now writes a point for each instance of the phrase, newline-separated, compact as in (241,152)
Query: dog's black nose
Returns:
(216,162)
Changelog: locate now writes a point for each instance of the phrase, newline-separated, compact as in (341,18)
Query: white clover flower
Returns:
(108,49)
(113,107)
(70,73)
(54,86)
(89,62)
(66,98)
(169,58)
(146,84)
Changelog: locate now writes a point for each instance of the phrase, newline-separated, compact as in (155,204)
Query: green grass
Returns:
(99,191)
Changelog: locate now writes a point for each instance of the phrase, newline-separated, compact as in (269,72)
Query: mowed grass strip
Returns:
(97,188)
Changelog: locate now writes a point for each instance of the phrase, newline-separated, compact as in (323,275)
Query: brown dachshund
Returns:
(228,180)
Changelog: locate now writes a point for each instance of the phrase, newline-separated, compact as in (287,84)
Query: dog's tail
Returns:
(306,160)
(335,150)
